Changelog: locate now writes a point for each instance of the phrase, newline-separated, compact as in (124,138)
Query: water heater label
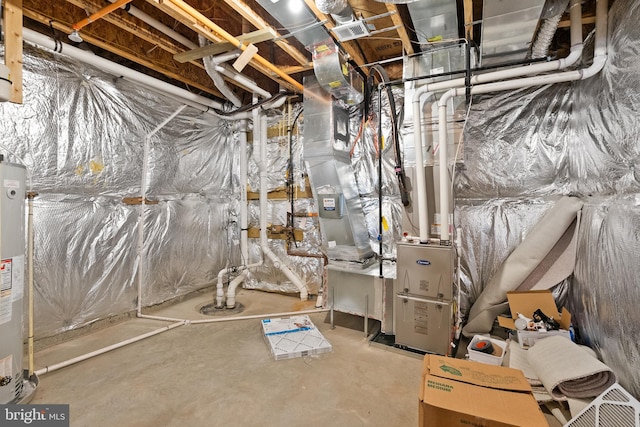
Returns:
(6,301)
(5,275)
(11,183)
(423,262)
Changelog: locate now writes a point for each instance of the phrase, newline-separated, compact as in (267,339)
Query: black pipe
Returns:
(467,77)
(399,167)
(451,73)
(290,180)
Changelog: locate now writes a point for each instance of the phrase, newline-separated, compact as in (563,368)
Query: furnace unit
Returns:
(423,297)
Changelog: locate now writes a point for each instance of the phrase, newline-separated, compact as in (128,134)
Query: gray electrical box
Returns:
(423,297)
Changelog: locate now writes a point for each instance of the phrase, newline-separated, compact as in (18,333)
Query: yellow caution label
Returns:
(435,39)
(322,48)
(385,224)
(335,84)
(345,69)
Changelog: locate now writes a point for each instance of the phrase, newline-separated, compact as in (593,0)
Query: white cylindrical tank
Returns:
(12,279)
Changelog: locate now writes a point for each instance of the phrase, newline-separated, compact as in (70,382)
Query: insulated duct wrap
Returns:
(529,146)
(331,6)
(364,163)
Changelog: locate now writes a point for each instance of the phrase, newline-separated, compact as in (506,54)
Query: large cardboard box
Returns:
(458,392)
(526,303)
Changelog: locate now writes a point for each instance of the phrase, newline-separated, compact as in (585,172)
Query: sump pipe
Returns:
(264,243)
(103,350)
(429,90)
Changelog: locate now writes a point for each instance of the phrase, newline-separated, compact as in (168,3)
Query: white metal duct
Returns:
(508,27)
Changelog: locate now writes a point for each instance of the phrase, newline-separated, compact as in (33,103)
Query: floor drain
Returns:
(211,310)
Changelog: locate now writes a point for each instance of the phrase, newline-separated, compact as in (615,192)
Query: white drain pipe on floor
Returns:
(429,90)
(599,59)
(103,350)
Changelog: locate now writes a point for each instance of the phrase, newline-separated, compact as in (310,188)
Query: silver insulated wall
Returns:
(12,196)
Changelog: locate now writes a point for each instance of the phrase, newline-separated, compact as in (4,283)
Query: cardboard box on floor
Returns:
(526,303)
(456,392)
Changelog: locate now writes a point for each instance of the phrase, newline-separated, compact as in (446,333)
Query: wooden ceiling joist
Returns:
(156,59)
(207,30)
(250,15)
(402,30)
(217,48)
(350,47)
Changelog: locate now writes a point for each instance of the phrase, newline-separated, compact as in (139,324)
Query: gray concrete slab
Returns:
(222,374)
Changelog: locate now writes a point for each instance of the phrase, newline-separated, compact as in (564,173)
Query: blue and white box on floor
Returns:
(294,336)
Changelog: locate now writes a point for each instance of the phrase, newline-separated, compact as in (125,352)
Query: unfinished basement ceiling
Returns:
(395,29)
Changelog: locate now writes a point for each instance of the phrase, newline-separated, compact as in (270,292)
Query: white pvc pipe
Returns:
(133,11)
(264,243)
(421,184)
(428,90)
(600,57)
(78,359)
(242,80)
(30,242)
(232,318)
(244,245)
(244,217)
(117,69)
(444,175)
(143,196)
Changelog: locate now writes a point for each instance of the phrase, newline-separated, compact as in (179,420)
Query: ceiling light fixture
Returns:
(75,37)
(295,6)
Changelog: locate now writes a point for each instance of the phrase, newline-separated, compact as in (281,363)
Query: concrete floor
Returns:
(222,374)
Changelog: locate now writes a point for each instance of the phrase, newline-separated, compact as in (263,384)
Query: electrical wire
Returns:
(399,167)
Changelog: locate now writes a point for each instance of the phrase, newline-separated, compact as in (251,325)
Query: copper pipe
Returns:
(99,14)
(231,39)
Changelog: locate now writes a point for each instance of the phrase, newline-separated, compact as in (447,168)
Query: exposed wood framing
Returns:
(402,30)
(217,48)
(250,15)
(468,19)
(205,29)
(585,21)
(155,59)
(350,47)
(282,194)
(254,233)
(13,47)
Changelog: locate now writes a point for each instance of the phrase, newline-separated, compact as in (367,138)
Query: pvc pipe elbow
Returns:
(598,64)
